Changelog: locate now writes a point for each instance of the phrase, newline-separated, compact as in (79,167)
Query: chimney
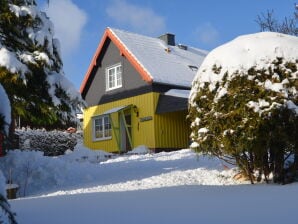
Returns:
(168,38)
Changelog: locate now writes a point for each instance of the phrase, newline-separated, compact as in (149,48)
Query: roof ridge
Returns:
(156,38)
(131,32)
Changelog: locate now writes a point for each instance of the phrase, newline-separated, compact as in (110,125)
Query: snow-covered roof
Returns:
(115,109)
(156,61)
(164,63)
(178,93)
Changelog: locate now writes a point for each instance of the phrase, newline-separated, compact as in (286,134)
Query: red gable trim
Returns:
(123,51)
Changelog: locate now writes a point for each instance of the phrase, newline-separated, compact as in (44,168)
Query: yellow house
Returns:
(136,88)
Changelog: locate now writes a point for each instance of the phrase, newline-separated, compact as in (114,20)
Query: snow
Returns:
(257,51)
(178,93)
(222,91)
(292,106)
(9,60)
(41,56)
(257,106)
(11,186)
(115,109)
(247,51)
(142,149)
(23,10)
(99,171)
(276,87)
(173,64)
(15,62)
(175,205)
(86,186)
(60,80)
(5,109)
(42,36)
(203,130)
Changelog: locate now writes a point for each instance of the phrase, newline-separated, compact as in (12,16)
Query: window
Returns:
(102,128)
(114,77)
(193,68)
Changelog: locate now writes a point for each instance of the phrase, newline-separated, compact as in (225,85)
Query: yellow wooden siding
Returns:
(142,132)
(168,130)
(171,129)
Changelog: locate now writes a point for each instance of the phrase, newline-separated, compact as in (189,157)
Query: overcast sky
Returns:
(79,24)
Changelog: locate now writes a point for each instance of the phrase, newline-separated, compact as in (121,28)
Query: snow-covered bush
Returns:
(52,143)
(33,172)
(243,105)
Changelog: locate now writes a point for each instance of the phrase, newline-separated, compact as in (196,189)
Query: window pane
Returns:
(98,127)
(107,126)
(111,85)
(99,134)
(111,78)
(106,120)
(111,72)
(119,79)
(110,132)
(97,121)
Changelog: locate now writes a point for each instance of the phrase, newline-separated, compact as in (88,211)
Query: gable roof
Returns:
(154,60)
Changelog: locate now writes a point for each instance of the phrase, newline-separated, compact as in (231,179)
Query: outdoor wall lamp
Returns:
(136,110)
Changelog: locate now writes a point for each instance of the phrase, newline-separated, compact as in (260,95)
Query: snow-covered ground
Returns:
(177,187)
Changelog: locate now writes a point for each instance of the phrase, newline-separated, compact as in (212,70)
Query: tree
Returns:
(31,68)
(6,215)
(9,216)
(4,112)
(268,22)
(244,105)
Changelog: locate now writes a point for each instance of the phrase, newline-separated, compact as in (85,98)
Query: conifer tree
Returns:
(31,69)
(244,105)
(5,112)
(6,211)
(6,215)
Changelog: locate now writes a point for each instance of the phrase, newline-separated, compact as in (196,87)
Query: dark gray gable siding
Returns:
(132,83)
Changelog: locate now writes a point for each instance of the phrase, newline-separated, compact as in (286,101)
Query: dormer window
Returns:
(114,77)
(193,68)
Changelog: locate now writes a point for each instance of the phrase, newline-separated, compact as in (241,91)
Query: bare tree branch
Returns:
(268,22)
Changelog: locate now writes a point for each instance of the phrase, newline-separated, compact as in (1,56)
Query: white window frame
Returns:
(99,128)
(114,77)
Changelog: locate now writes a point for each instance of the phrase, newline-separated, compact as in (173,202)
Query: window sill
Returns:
(118,87)
(101,139)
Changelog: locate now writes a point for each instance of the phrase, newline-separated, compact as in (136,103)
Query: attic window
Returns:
(193,68)
(114,77)
(183,47)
